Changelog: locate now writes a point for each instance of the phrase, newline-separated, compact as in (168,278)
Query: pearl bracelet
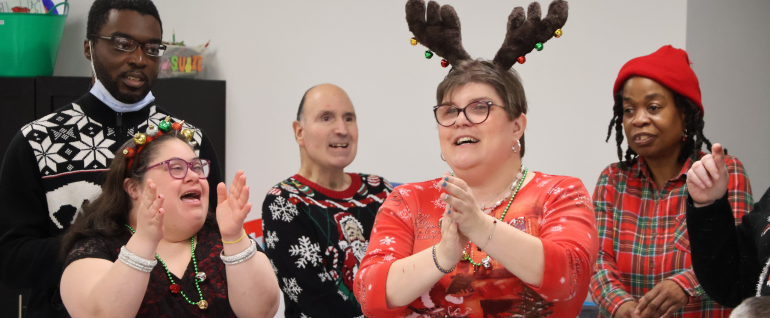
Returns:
(240,257)
(136,262)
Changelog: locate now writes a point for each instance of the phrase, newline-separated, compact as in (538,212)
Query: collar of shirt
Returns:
(640,168)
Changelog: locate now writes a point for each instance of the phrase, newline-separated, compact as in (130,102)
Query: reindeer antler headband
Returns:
(440,32)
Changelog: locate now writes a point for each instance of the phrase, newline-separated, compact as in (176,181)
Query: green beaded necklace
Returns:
(486,261)
(175,288)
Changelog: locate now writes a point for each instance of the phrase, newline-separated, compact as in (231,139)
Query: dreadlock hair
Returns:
(100,11)
(693,124)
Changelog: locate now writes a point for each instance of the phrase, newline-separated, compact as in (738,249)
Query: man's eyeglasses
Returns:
(476,112)
(177,167)
(129,45)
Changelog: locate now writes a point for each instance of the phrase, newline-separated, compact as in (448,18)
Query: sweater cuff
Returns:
(708,212)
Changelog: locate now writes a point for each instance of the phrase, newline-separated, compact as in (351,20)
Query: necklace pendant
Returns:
(200,277)
(486,262)
(203,304)
(175,288)
(465,256)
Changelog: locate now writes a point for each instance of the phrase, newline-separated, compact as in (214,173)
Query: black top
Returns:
(731,262)
(158,300)
(51,166)
(316,237)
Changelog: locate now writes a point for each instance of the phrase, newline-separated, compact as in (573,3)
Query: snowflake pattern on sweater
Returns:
(316,239)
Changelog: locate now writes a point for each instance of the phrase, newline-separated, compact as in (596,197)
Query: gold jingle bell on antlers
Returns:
(413,41)
(140,139)
(188,133)
(557,34)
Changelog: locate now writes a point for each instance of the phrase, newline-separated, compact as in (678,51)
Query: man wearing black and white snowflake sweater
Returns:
(731,261)
(55,163)
(317,223)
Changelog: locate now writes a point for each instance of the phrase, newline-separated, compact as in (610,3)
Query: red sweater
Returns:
(556,209)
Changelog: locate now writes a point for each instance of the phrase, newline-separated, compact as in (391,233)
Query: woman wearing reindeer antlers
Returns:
(492,238)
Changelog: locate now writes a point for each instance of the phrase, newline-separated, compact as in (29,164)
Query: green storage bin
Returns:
(29,42)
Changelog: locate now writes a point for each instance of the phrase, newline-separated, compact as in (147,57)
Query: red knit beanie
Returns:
(669,67)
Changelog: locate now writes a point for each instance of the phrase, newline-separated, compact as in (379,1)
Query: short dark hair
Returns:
(301,110)
(100,11)
(506,82)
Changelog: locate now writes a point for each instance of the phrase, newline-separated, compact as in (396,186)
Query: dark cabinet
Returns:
(23,100)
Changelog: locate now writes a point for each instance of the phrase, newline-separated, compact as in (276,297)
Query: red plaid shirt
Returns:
(643,236)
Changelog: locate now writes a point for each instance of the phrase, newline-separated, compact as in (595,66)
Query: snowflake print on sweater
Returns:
(283,210)
(307,252)
(52,166)
(316,238)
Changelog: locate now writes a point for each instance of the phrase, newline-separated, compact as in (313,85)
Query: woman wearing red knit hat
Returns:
(644,267)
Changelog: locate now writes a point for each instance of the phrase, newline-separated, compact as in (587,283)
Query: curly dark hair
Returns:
(100,11)
(107,215)
(693,124)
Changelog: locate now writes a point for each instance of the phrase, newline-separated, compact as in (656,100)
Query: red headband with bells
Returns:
(152,132)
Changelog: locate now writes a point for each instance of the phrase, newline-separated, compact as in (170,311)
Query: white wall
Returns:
(728,43)
(270,52)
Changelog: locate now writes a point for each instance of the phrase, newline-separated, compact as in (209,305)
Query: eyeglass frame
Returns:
(462,110)
(162,47)
(189,167)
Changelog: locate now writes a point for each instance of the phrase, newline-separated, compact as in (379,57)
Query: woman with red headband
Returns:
(644,266)
(147,246)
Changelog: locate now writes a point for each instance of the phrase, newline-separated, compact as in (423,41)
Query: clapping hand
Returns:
(149,218)
(463,209)
(707,179)
(233,207)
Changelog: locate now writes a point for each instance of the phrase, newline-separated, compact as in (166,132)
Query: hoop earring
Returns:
(514,148)
(442,157)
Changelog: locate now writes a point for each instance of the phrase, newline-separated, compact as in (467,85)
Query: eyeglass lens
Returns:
(178,168)
(476,113)
(129,45)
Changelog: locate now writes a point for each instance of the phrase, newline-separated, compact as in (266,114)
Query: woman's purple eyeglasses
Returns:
(177,167)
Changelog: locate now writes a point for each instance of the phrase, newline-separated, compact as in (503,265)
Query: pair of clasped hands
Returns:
(461,218)
(232,209)
(707,182)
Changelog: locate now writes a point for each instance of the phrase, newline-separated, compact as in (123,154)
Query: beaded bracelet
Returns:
(136,262)
(240,257)
(494,224)
(435,261)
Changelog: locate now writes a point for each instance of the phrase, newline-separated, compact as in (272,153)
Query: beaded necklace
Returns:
(487,261)
(199,277)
